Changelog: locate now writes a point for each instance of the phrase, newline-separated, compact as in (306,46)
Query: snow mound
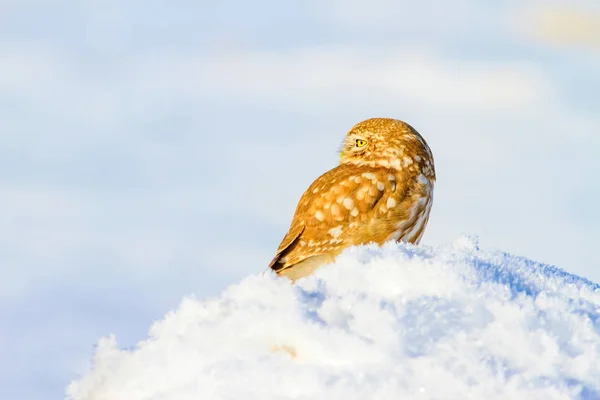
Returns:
(400,321)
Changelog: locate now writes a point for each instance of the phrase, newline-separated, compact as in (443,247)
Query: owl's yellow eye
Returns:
(361,143)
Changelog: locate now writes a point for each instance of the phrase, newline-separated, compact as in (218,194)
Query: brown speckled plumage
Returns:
(380,191)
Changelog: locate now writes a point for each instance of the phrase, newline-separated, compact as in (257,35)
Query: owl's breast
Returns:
(402,211)
(409,217)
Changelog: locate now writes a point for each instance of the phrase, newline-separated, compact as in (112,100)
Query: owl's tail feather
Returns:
(303,268)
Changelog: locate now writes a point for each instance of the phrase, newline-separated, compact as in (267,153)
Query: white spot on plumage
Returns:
(319,215)
(354,212)
(368,175)
(348,203)
(380,185)
(391,202)
(335,232)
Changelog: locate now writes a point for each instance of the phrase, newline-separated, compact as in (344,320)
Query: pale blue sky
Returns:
(154,149)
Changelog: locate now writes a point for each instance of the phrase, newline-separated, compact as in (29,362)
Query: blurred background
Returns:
(151,149)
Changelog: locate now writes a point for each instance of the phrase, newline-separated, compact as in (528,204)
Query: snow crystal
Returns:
(401,321)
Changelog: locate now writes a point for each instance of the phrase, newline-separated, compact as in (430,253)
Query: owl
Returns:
(382,190)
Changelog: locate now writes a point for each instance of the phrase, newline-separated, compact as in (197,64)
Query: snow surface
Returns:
(397,322)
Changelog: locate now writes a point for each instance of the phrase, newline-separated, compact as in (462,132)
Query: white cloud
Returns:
(416,21)
(24,66)
(60,85)
(334,77)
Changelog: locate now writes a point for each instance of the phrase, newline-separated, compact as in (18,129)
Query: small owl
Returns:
(382,190)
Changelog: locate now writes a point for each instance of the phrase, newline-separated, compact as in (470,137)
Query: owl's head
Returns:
(382,142)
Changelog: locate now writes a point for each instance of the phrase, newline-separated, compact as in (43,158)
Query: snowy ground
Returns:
(451,322)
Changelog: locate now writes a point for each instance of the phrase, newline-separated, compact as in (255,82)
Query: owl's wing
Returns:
(332,201)
(291,237)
